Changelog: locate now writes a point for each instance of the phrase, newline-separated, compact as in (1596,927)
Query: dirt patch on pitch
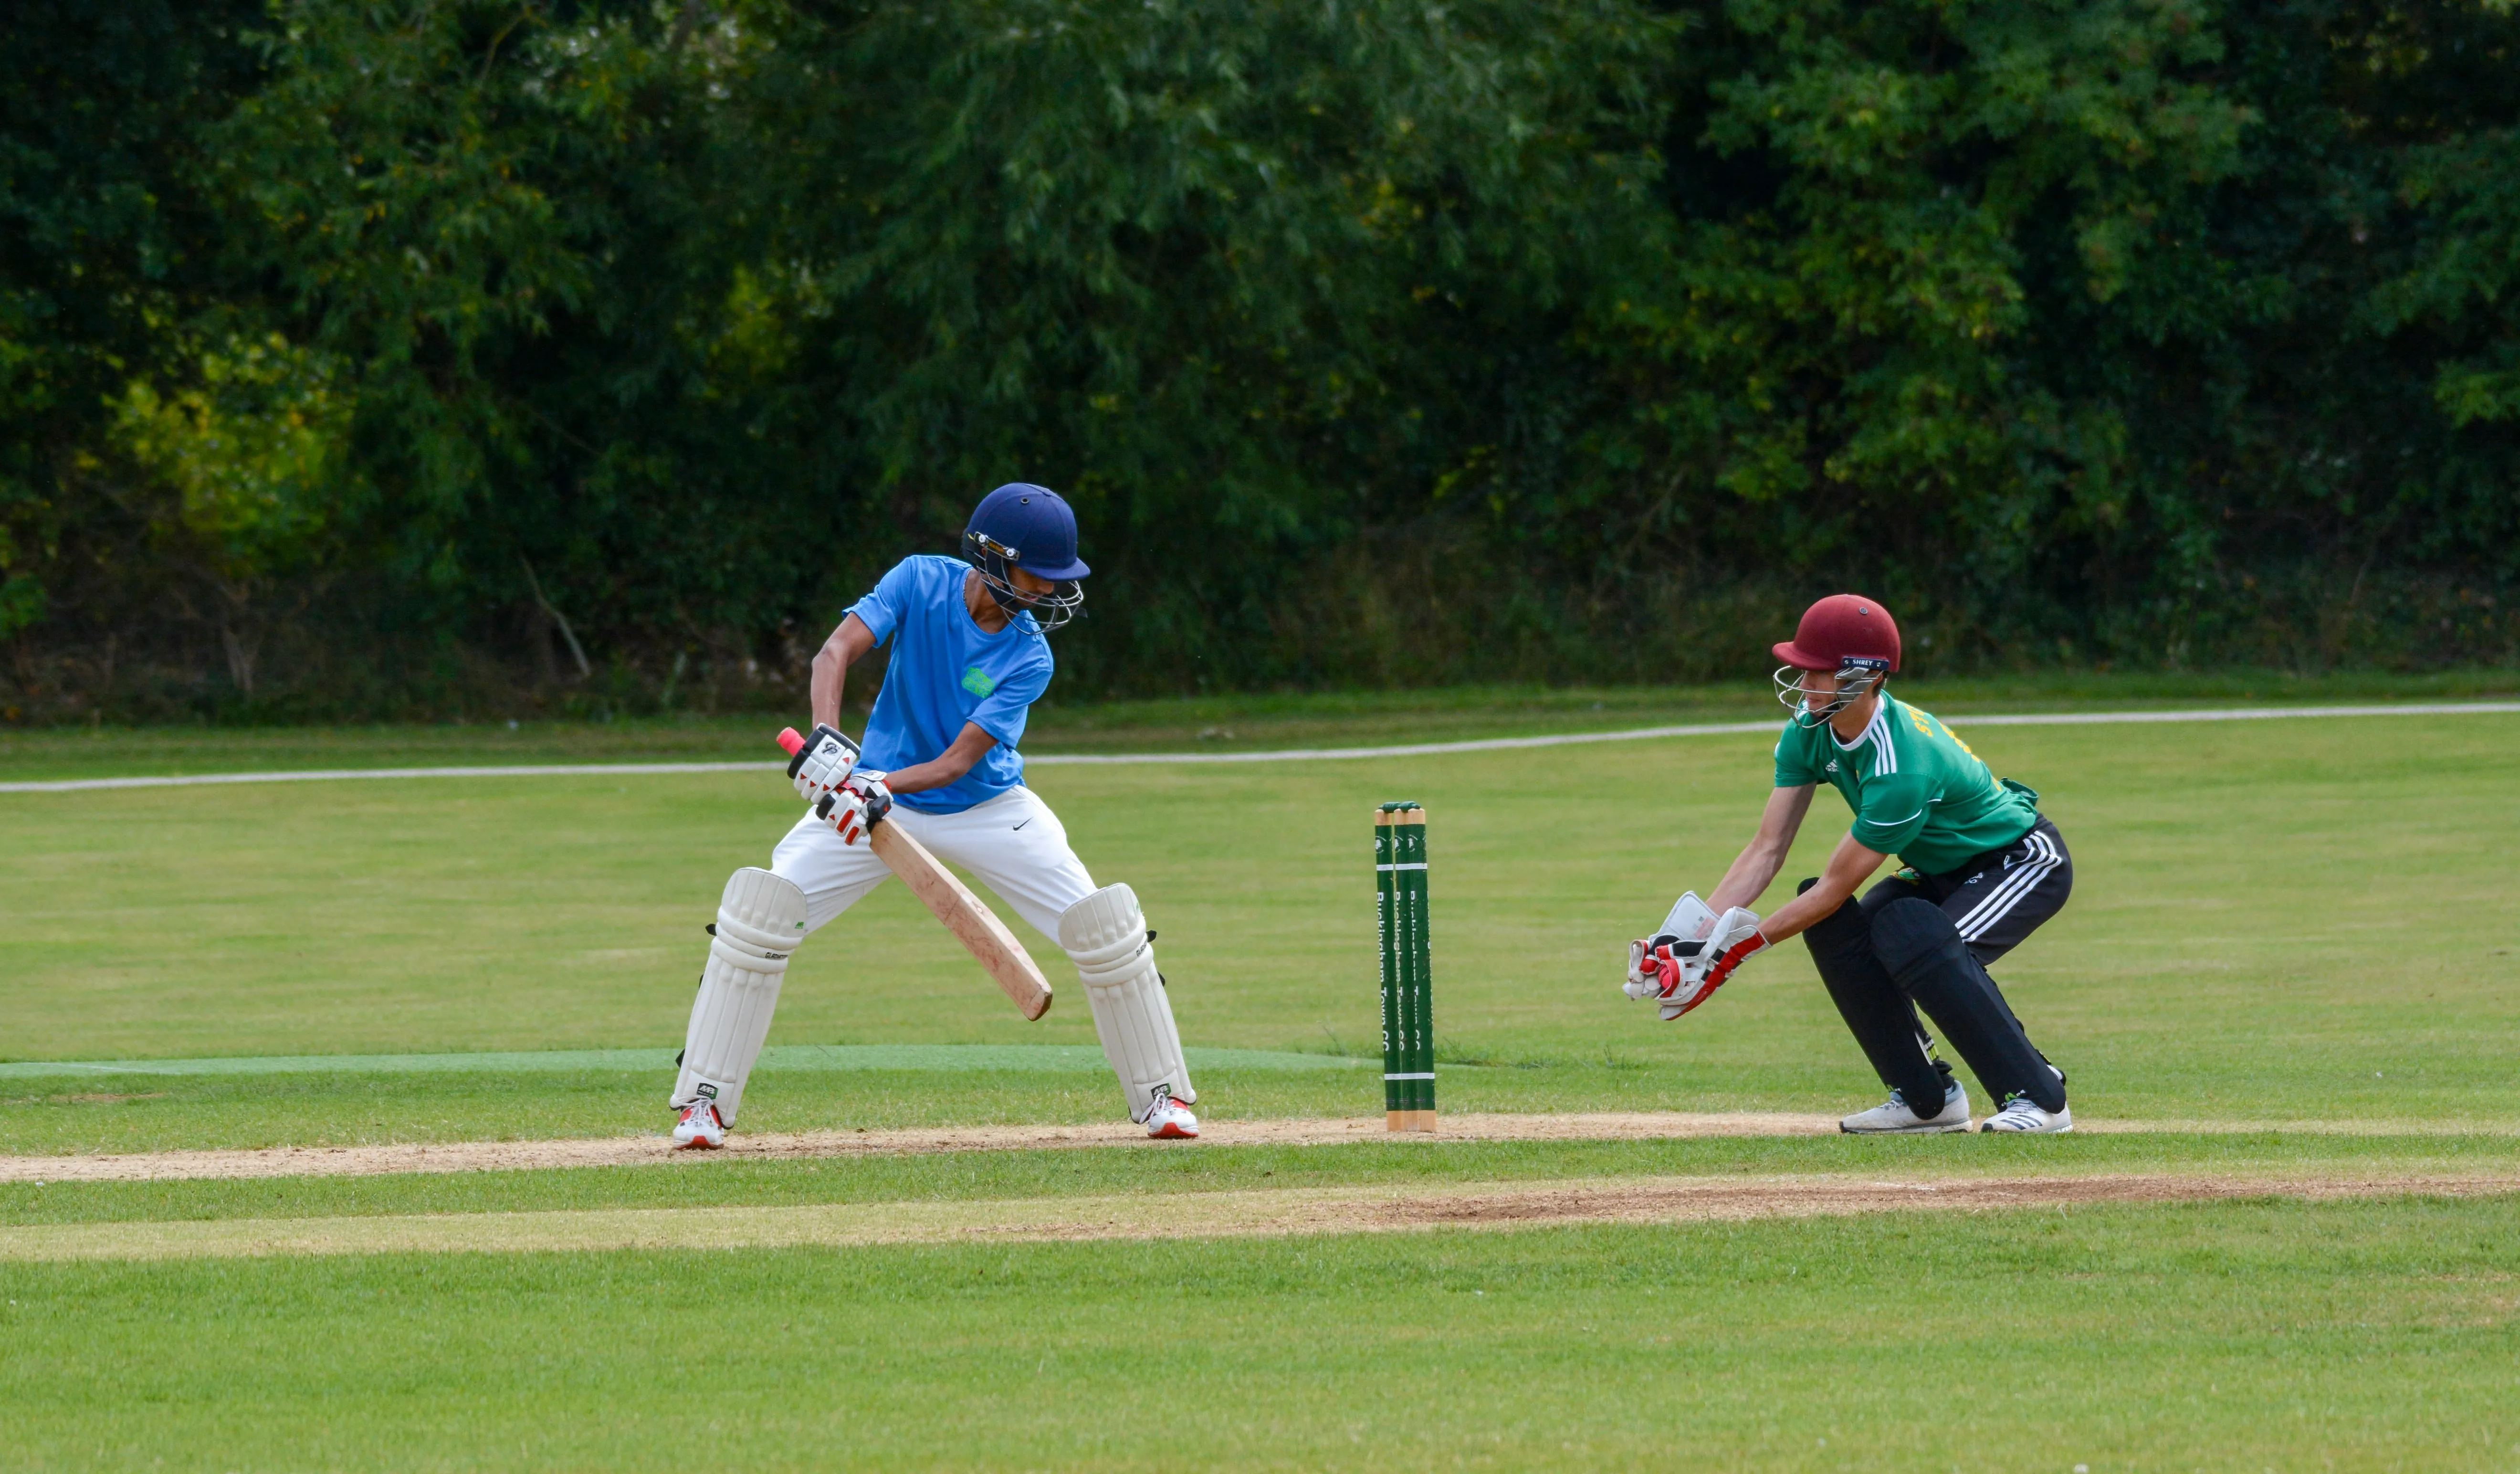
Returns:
(1183,1216)
(1698,1199)
(655,1150)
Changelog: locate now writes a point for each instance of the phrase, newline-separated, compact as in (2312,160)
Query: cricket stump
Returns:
(1408,993)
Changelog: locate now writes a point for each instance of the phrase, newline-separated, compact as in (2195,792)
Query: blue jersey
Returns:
(947,671)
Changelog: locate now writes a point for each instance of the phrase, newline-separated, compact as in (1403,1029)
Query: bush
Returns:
(404,357)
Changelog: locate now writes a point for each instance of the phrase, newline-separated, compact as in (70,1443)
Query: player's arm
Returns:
(854,800)
(1686,972)
(1000,711)
(1681,972)
(947,767)
(848,645)
(1892,814)
(1848,868)
(1755,868)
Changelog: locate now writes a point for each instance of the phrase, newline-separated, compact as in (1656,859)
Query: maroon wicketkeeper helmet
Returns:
(1845,632)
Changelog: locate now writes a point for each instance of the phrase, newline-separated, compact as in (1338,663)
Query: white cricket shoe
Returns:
(698,1128)
(1171,1121)
(2021,1113)
(1896,1117)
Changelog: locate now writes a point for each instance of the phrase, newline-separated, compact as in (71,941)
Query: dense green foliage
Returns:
(412,356)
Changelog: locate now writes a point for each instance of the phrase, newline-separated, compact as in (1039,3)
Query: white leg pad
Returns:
(759,923)
(1105,934)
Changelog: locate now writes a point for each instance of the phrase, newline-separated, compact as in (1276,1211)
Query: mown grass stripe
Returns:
(647,1149)
(1264,1213)
(996,1058)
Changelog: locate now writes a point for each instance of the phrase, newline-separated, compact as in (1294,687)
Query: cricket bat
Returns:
(973,924)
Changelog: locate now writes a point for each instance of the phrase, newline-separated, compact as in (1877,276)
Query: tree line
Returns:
(411,357)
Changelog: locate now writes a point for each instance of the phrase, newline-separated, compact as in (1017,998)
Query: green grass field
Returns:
(2374,1335)
(2294,922)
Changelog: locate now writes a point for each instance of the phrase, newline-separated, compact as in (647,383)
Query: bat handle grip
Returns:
(790,741)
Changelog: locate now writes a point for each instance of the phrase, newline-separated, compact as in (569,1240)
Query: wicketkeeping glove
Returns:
(823,764)
(1736,939)
(856,806)
(1679,973)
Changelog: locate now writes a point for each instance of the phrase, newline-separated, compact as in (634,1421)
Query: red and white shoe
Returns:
(1171,1121)
(698,1128)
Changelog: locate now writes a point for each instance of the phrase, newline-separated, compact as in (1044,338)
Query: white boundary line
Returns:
(330,775)
(1292,755)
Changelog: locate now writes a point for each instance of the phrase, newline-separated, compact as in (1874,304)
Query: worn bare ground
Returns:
(619,1151)
(653,1151)
(1178,1216)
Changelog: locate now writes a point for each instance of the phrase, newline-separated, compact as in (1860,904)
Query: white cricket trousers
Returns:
(1013,843)
(1018,848)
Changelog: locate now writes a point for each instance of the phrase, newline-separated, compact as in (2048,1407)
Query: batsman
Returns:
(970,656)
(1981,870)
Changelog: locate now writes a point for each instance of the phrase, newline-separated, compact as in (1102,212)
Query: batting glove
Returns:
(856,806)
(823,764)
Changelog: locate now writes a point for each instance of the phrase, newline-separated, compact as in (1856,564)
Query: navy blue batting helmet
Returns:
(1020,526)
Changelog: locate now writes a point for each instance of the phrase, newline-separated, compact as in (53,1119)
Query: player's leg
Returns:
(1018,848)
(1931,950)
(1996,924)
(761,919)
(2041,873)
(1107,936)
(1898,887)
(1923,1096)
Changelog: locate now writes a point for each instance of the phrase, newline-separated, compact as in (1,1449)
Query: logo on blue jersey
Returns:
(978,682)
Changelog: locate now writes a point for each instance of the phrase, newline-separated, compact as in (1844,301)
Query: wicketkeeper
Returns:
(968,659)
(1982,868)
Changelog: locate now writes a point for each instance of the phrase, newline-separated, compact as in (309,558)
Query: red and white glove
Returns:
(823,764)
(1736,939)
(856,806)
(1682,973)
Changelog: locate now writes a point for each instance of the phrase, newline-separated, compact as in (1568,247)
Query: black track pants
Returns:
(1875,1009)
(1882,960)
(1998,899)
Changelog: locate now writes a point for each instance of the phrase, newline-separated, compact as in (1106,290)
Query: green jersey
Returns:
(1918,791)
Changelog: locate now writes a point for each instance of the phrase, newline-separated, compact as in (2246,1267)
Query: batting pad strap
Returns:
(752,957)
(1115,963)
(1105,936)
